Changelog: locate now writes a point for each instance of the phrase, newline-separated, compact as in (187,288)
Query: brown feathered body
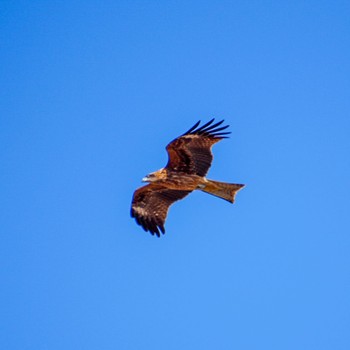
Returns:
(190,158)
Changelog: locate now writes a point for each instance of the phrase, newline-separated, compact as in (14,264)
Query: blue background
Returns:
(91,93)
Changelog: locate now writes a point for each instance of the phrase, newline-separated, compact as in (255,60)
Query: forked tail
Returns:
(223,190)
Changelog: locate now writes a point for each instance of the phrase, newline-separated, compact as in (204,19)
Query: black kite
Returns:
(189,160)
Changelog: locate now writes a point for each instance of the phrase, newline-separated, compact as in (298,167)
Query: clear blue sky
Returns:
(91,92)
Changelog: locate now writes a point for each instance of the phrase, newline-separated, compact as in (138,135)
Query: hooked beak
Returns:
(145,179)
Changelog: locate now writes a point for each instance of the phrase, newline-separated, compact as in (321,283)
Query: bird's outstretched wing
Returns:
(150,206)
(191,152)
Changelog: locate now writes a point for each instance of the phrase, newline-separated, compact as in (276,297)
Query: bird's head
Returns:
(155,176)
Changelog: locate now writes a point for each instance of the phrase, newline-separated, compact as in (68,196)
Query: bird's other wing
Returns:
(150,206)
(191,152)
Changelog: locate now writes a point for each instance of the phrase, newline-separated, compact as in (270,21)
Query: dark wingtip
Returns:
(148,225)
(209,129)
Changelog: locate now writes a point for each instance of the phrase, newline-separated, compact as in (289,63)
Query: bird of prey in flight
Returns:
(189,159)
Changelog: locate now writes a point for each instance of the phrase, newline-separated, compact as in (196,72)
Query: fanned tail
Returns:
(222,190)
